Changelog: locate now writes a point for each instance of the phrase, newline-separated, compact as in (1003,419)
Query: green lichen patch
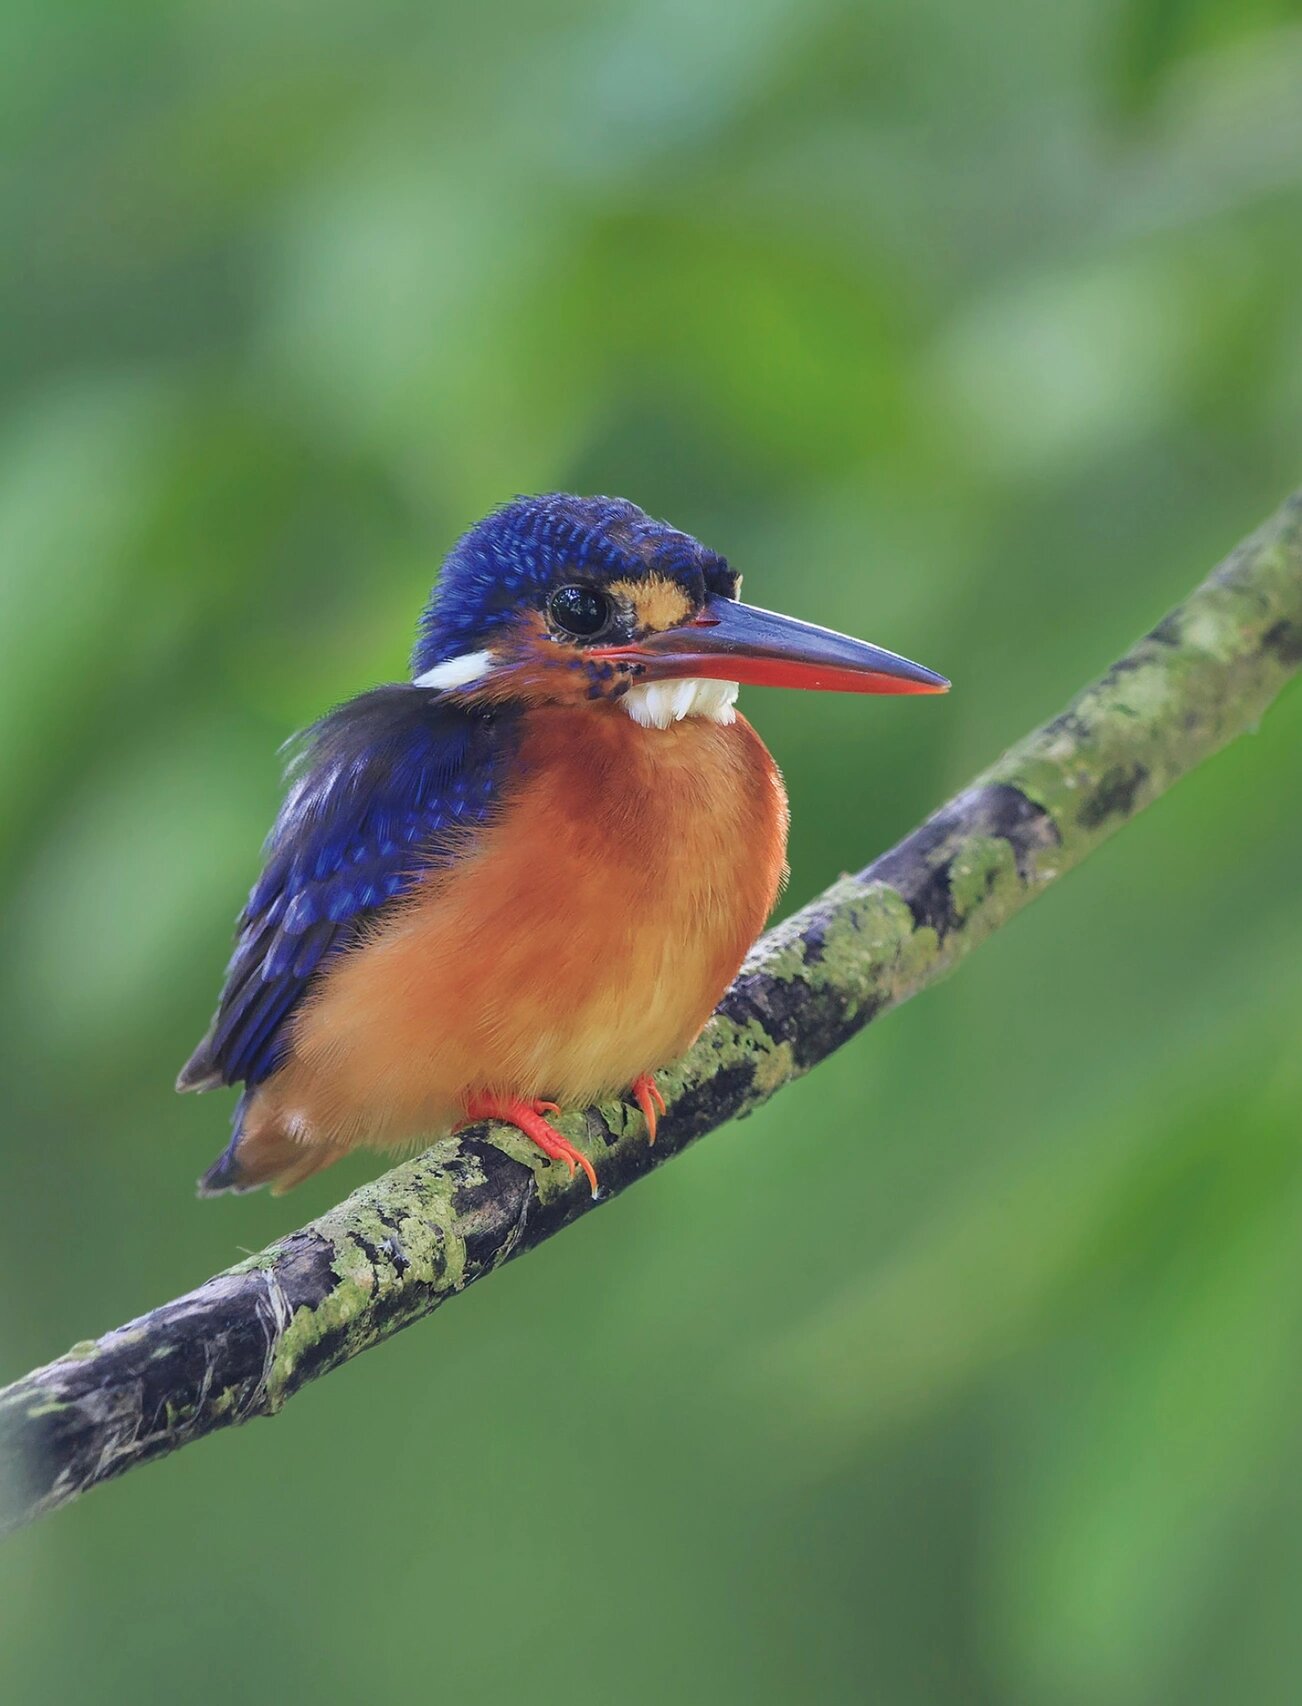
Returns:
(341,1310)
(983,874)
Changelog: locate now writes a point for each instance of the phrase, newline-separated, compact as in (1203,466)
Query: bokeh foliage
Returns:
(977,330)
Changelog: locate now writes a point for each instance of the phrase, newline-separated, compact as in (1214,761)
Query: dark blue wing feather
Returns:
(381,791)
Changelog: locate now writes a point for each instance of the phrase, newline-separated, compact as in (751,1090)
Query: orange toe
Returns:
(527,1117)
(646,1093)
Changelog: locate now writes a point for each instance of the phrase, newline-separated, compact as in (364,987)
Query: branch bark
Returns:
(242,1344)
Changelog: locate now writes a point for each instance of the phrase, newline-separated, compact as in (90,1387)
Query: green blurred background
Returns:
(974,329)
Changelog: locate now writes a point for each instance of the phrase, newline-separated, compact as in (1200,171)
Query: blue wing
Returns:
(379,791)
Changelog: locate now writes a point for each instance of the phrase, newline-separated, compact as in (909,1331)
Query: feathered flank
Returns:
(383,789)
(581,946)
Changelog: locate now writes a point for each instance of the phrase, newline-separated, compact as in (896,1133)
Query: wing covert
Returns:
(381,790)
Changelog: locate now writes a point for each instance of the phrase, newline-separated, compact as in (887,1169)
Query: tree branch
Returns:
(242,1345)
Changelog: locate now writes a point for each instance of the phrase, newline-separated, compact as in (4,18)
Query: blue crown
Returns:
(516,555)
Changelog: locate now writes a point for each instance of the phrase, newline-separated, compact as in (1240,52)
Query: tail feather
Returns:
(263,1155)
(225,1176)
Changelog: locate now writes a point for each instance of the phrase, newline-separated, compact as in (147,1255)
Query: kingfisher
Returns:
(523,878)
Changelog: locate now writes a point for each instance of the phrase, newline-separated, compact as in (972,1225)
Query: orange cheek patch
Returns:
(537,670)
(657,603)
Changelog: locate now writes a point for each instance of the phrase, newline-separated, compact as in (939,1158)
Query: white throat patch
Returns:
(656,704)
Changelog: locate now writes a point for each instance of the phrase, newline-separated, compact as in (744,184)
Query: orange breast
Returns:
(585,941)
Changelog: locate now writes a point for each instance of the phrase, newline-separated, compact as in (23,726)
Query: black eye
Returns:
(579,610)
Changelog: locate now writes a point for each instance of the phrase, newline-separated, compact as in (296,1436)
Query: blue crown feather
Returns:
(528,546)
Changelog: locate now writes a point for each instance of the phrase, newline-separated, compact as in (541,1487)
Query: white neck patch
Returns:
(457,672)
(657,704)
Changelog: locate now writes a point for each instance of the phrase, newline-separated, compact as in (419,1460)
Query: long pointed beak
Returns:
(739,642)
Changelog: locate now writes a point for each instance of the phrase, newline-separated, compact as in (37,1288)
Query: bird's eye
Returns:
(579,610)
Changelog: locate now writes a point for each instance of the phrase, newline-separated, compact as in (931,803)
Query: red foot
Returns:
(528,1118)
(646,1093)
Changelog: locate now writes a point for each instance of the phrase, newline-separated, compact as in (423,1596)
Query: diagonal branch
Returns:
(244,1343)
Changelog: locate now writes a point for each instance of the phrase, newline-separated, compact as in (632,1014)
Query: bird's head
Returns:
(562,599)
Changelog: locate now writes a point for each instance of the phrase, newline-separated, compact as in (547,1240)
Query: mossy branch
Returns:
(243,1343)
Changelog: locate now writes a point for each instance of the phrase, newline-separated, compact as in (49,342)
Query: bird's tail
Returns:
(263,1154)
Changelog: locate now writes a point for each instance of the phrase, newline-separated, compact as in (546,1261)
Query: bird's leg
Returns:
(646,1093)
(527,1117)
